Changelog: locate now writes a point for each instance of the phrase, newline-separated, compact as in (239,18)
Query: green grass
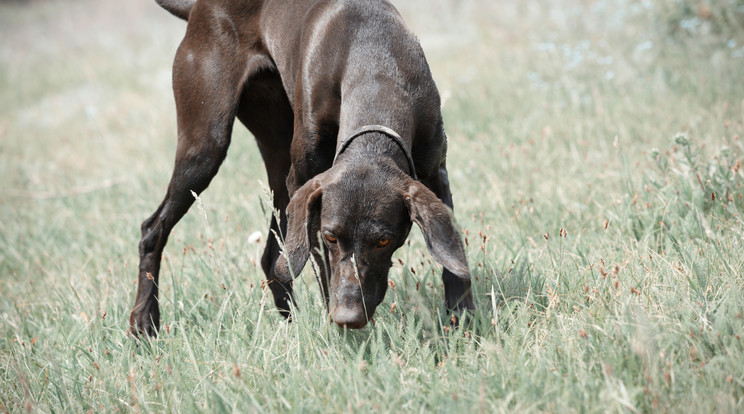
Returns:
(595,156)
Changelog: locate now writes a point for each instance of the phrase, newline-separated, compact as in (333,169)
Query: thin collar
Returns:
(384,131)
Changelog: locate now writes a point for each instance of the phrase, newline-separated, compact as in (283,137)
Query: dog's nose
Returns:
(352,318)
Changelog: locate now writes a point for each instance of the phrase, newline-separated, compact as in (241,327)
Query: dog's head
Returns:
(355,219)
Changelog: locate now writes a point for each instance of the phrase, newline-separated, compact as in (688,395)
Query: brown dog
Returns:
(347,117)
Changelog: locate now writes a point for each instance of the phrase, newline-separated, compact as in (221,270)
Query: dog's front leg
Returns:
(458,296)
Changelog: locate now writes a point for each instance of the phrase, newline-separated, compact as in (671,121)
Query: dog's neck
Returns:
(374,147)
(385,132)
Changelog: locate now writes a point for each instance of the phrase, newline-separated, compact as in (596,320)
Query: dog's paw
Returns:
(144,322)
(461,312)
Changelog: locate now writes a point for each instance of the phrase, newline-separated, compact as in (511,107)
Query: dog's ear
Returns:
(436,223)
(303,215)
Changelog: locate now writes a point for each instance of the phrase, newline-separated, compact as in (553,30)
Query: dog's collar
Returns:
(384,131)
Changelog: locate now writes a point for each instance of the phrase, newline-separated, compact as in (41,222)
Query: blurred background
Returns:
(546,103)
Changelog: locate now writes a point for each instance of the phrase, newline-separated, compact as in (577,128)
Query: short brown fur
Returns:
(301,76)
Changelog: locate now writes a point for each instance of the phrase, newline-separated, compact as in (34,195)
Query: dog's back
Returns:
(353,62)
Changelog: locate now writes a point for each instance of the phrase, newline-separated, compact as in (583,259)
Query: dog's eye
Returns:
(383,242)
(330,238)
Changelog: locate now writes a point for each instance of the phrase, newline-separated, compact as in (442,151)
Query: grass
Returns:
(595,156)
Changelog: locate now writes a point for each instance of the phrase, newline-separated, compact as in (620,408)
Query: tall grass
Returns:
(595,156)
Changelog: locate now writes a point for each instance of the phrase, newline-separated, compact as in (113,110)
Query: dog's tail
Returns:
(178,8)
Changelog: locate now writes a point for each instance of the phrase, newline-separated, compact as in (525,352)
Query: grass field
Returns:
(596,153)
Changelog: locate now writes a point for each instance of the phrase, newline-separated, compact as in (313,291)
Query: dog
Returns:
(341,101)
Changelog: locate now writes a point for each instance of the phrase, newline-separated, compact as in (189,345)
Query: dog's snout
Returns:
(349,309)
(349,317)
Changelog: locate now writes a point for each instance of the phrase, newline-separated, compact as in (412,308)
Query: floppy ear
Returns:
(436,223)
(303,215)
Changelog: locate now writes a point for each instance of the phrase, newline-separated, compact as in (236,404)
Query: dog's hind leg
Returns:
(266,112)
(207,87)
